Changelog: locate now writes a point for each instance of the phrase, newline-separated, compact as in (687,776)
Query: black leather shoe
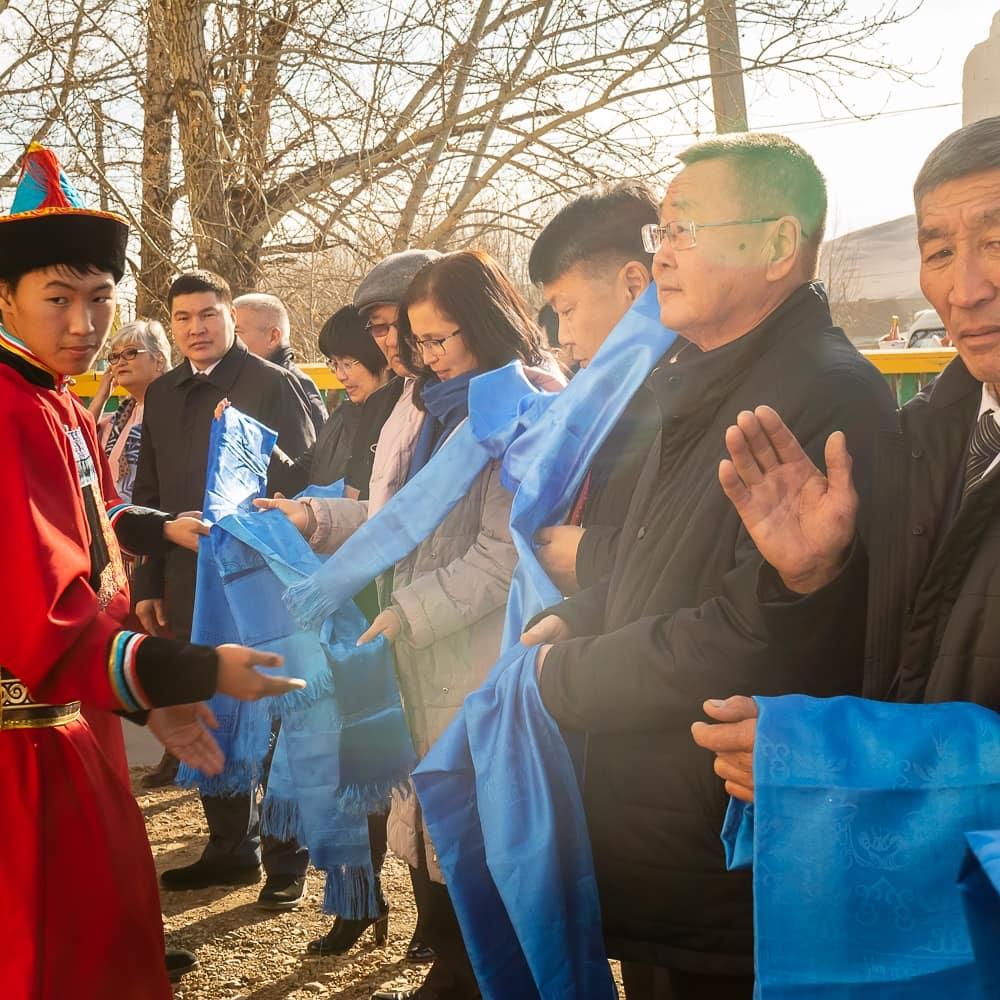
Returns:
(164,772)
(343,935)
(408,994)
(282,892)
(203,874)
(180,962)
(419,953)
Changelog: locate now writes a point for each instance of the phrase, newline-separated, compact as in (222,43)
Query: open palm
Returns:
(184,731)
(801,520)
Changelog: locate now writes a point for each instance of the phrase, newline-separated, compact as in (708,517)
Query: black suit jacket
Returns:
(173,458)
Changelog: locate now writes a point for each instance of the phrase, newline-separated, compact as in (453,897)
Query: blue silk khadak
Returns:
(498,789)
(857,837)
(344,744)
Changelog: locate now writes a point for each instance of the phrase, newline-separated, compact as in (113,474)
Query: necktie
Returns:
(984,447)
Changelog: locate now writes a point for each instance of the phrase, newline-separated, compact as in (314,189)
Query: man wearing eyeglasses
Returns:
(630,662)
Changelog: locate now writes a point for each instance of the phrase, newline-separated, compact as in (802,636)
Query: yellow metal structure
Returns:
(86,385)
(916,362)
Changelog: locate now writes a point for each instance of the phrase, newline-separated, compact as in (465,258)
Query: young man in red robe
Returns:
(80,915)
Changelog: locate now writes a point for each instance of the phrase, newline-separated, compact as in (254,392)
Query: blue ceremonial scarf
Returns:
(344,744)
(979,883)
(500,402)
(856,838)
(447,403)
(498,790)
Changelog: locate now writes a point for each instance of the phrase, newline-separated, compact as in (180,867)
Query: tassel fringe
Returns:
(350,892)
(307,604)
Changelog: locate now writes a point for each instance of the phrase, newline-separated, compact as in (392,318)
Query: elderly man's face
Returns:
(715,291)
(252,327)
(959,238)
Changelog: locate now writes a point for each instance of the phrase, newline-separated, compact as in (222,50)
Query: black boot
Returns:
(343,935)
(204,873)
(418,952)
(180,962)
(164,772)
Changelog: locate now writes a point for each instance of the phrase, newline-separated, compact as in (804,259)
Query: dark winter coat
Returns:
(679,622)
(612,479)
(284,357)
(173,457)
(934,566)
(344,448)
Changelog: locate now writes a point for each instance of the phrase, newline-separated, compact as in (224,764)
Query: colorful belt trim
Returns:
(19,711)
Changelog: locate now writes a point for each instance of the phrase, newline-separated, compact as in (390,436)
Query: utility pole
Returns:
(726,64)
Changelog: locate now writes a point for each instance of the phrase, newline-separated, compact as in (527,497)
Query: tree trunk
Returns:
(199,134)
(155,268)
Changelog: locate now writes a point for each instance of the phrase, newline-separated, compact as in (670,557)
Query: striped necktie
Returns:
(983,449)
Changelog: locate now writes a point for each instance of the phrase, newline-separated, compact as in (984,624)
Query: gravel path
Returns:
(246,953)
(253,954)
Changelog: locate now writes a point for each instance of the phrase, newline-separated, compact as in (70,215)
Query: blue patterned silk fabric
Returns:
(857,838)
(344,744)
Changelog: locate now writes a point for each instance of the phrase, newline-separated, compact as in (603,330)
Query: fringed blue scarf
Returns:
(498,790)
(856,837)
(344,744)
(500,403)
(447,405)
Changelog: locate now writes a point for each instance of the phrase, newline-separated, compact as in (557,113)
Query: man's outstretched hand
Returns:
(239,677)
(184,731)
(731,739)
(801,521)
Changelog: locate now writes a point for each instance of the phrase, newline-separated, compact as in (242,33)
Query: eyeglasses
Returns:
(379,330)
(129,354)
(340,365)
(434,345)
(684,235)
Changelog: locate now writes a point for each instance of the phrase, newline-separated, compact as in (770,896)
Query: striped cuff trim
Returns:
(122,672)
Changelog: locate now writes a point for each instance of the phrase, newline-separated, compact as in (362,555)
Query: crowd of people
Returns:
(706,553)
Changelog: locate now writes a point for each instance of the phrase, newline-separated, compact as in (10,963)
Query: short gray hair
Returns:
(270,307)
(775,176)
(971,150)
(149,334)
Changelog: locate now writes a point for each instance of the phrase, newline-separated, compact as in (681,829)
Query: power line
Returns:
(826,122)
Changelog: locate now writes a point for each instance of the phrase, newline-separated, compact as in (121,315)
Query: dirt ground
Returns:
(246,953)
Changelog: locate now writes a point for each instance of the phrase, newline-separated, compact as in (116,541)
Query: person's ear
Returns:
(784,248)
(636,278)
(6,297)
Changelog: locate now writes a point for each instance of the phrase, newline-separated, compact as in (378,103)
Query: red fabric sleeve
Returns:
(55,636)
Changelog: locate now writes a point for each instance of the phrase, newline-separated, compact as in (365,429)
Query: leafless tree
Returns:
(261,138)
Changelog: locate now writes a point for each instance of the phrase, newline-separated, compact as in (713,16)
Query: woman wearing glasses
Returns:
(139,354)
(461,316)
(344,448)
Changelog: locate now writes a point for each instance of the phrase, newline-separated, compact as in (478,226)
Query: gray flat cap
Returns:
(388,280)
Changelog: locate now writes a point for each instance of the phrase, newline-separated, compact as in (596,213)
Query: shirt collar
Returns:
(989,402)
(206,371)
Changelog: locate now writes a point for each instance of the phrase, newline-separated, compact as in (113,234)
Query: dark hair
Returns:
(344,336)
(473,291)
(14,271)
(774,175)
(601,227)
(549,323)
(971,150)
(192,282)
